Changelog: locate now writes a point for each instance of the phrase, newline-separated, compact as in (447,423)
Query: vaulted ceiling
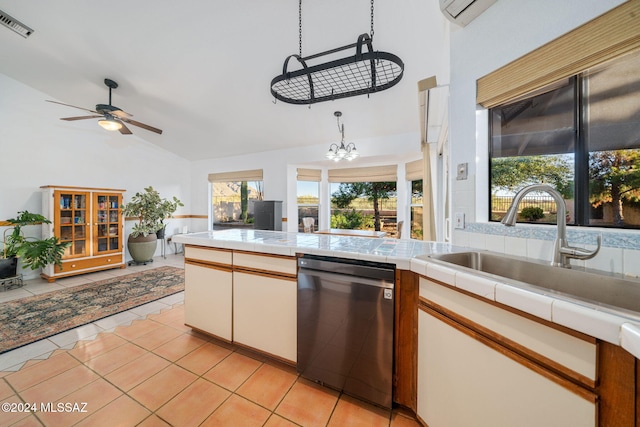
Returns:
(201,69)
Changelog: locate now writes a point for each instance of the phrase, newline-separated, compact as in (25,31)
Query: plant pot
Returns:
(8,267)
(142,248)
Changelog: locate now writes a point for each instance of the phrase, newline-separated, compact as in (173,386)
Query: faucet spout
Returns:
(562,251)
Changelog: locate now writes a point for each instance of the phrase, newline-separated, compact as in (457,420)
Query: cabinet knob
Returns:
(108,259)
(73,266)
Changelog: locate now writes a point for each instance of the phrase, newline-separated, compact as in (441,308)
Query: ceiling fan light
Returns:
(110,124)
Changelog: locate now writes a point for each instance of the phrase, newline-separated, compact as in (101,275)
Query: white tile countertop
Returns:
(609,326)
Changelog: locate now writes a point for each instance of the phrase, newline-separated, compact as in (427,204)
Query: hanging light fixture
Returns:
(342,152)
(360,74)
(109,123)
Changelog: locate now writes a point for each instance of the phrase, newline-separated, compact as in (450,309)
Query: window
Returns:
(364,206)
(232,196)
(308,196)
(233,201)
(416,209)
(582,136)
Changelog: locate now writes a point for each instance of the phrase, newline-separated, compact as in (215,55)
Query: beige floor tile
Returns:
(162,387)
(278,421)
(114,359)
(399,420)
(5,390)
(308,404)
(236,411)
(158,336)
(32,375)
(169,316)
(203,358)
(232,371)
(29,421)
(355,413)
(86,350)
(136,329)
(90,399)
(55,388)
(153,421)
(179,347)
(123,411)
(267,386)
(8,418)
(135,372)
(194,404)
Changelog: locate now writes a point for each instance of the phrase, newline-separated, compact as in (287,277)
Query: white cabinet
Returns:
(248,298)
(467,378)
(208,291)
(264,314)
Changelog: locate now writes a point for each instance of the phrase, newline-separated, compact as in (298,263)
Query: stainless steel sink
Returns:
(599,290)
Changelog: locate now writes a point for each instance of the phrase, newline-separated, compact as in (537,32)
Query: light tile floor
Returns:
(143,367)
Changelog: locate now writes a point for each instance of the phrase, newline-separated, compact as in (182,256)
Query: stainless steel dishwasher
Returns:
(345,325)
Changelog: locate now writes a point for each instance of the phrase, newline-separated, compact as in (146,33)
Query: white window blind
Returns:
(367,174)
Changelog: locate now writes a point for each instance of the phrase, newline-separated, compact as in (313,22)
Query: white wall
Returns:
(36,148)
(506,31)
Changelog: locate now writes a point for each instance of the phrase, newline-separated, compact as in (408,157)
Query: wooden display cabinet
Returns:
(91,220)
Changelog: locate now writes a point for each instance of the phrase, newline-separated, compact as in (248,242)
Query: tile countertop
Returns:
(605,325)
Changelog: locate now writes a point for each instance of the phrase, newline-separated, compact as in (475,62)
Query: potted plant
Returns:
(151,211)
(33,253)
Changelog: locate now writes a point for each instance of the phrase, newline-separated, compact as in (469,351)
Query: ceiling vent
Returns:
(462,12)
(15,25)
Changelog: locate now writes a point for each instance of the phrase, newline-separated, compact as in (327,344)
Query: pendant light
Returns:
(342,152)
(359,74)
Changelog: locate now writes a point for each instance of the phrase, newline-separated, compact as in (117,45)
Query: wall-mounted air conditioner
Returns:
(462,12)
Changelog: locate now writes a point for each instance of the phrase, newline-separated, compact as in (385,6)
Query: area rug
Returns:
(30,319)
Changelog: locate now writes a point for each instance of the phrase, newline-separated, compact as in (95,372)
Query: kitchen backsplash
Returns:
(620,251)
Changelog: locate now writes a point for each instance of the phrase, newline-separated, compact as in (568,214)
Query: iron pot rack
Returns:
(363,73)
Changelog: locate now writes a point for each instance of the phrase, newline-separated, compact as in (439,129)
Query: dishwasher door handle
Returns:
(346,278)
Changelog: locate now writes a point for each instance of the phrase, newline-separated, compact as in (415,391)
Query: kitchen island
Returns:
(575,361)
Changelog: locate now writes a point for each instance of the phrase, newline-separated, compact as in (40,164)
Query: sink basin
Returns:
(600,290)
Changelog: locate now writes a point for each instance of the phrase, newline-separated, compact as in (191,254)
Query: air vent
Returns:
(15,25)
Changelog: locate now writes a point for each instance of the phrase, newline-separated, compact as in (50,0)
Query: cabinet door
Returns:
(71,210)
(264,314)
(107,221)
(462,382)
(208,299)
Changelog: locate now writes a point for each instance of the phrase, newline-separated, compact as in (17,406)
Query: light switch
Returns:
(462,171)
(459,220)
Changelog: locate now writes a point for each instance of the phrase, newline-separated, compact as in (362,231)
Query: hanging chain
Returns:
(300,27)
(371,35)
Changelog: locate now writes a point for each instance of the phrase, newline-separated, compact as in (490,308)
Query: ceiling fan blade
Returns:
(69,119)
(142,125)
(121,114)
(69,105)
(124,130)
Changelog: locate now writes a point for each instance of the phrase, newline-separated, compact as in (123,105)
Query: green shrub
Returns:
(350,220)
(532,213)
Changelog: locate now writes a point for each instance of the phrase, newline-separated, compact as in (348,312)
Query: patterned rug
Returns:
(27,320)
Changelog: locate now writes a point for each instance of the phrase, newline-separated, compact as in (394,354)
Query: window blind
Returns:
(237,176)
(368,174)
(608,36)
(413,170)
(309,174)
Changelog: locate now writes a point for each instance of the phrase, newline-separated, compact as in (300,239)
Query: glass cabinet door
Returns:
(108,224)
(70,222)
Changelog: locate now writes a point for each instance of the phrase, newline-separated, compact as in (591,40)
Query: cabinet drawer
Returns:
(74,264)
(216,256)
(266,263)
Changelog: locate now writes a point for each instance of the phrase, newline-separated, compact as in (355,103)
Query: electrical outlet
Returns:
(459,220)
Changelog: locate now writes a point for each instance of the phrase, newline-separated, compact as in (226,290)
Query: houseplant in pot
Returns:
(150,210)
(34,253)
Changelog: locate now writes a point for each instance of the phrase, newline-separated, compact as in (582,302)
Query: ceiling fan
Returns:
(111,117)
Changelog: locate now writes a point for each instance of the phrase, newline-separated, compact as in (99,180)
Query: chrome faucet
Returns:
(562,251)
